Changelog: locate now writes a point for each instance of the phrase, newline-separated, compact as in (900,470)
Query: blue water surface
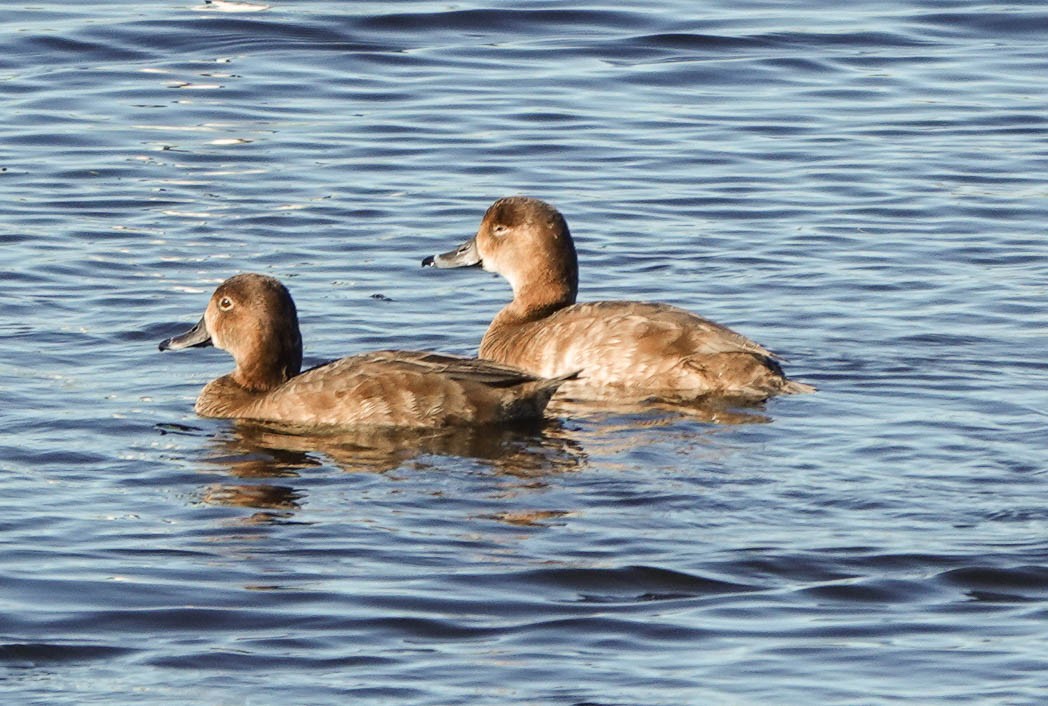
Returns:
(862,187)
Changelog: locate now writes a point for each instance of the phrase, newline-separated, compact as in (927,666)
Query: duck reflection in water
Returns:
(269,450)
(279,501)
(525,453)
(525,457)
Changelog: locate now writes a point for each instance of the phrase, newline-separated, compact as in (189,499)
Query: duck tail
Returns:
(795,387)
(551,385)
(541,391)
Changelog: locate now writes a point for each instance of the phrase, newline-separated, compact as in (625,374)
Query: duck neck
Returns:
(271,367)
(538,299)
(531,304)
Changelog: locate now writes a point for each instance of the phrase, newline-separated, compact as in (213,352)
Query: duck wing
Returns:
(458,368)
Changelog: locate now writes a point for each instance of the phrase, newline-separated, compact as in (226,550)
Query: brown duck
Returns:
(253,317)
(636,348)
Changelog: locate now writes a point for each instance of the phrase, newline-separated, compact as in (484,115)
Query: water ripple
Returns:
(859,188)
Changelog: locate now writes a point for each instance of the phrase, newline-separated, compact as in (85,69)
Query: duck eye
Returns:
(500,229)
(225,303)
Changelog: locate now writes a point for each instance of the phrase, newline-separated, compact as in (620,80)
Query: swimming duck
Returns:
(633,347)
(253,317)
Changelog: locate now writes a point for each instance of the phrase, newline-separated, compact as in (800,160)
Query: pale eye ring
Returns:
(500,229)
(225,303)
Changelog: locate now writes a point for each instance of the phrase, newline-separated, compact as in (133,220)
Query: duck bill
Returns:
(196,337)
(465,255)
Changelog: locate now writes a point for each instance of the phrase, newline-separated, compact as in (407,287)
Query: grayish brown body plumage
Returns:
(634,347)
(253,318)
